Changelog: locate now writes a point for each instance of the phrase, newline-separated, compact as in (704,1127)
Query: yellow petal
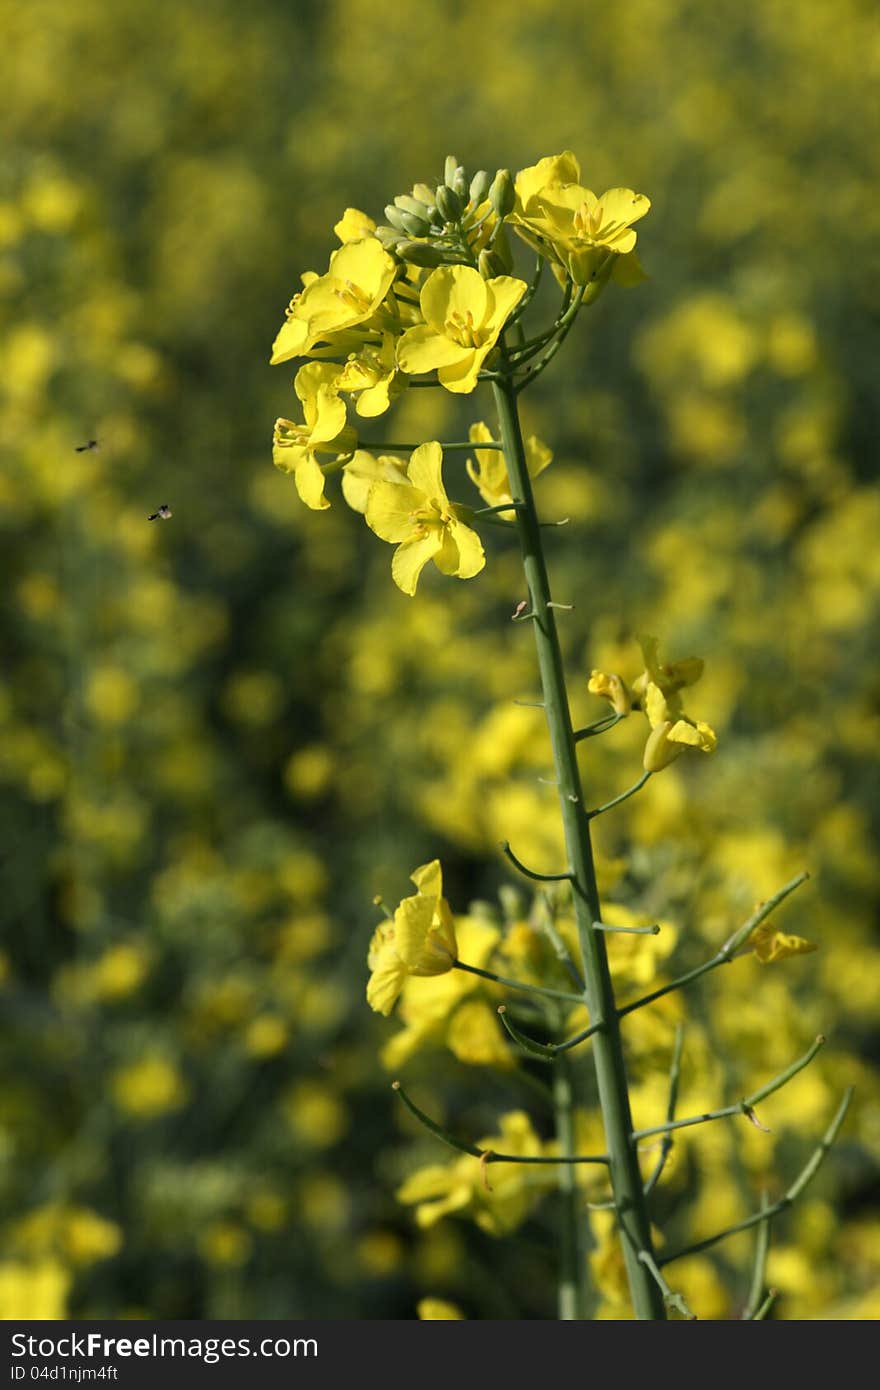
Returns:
(454,291)
(503,294)
(291,341)
(359,476)
(410,558)
(428,878)
(422,349)
(425,470)
(385,984)
(770,945)
(389,510)
(309,482)
(471,556)
(353,225)
(623,206)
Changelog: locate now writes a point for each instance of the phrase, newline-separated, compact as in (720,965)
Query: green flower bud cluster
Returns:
(456,223)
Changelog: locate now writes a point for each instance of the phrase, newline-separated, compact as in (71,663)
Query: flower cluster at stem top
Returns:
(429,294)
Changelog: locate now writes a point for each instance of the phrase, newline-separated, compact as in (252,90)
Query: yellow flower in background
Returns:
(358,279)
(418,940)
(437,1310)
(464,316)
(296,447)
(498,1196)
(148,1088)
(770,945)
(671,735)
(488,471)
(33,1291)
(418,516)
(428,1007)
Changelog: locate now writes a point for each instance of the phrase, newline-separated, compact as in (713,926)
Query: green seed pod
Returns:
(502,194)
(479,187)
(449,204)
(449,169)
(420,253)
(460,183)
(413,205)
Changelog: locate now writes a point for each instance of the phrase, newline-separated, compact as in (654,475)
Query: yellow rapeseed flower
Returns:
(488,471)
(561,218)
(419,518)
(296,447)
(464,316)
(359,277)
(418,940)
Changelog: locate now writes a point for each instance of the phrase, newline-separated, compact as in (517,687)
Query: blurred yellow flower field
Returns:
(224,735)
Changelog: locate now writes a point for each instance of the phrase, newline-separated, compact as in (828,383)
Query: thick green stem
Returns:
(571,1256)
(626,1179)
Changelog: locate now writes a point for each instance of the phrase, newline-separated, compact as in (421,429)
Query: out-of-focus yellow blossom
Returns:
(578,230)
(419,518)
(296,447)
(418,940)
(427,1006)
(309,772)
(354,225)
(266,1210)
(488,471)
(358,278)
(35,1291)
(266,1036)
(612,688)
(474,1036)
(225,1244)
(464,317)
(148,1088)
(77,1235)
(111,695)
(315,1114)
(770,944)
(437,1310)
(498,1196)
(380,1253)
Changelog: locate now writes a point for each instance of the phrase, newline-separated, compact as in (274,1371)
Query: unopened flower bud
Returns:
(415,226)
(413,205)
(449,204)
(388,236)
(490,264)
(480,187)
(502,195)
(460,183)
(501,246)
(449,169)
(420,253)
(395,217)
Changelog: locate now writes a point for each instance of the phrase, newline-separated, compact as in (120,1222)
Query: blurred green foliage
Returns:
(224,733)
